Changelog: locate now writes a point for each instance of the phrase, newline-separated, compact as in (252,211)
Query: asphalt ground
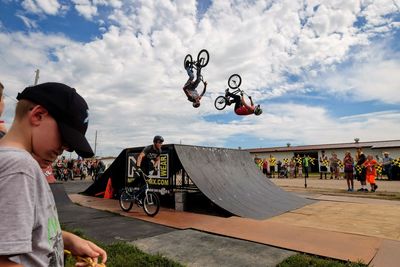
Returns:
(189,247)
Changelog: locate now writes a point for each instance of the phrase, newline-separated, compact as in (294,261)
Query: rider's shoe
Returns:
(226,92)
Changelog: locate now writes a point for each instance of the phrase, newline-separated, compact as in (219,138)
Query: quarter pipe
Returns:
(228,177)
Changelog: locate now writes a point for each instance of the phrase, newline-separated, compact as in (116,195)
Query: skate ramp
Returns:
(230,179)
(60,196)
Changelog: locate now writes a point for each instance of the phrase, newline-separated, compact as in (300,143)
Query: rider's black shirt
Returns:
(150,153)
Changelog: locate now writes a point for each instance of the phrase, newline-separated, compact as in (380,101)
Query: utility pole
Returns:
(95,143)
(36,77)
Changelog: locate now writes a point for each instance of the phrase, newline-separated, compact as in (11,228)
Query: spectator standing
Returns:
(387,164)
(361,172)
(306,165)
(298,169)
(70,169)
(292,167)
(265,167)
(379,167)
(370,166)
(272,163)
(348,162)
(323,164)
(279,166)
(334,166)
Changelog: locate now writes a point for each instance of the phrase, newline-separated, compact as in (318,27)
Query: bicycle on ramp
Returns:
(142,196)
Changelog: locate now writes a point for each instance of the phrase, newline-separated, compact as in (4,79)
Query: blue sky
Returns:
(323,71)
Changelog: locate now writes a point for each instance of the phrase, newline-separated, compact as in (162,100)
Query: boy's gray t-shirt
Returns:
(29,226)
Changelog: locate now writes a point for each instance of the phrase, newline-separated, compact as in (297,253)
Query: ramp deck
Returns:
(229,178)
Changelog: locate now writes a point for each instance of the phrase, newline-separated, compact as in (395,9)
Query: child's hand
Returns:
(84,248)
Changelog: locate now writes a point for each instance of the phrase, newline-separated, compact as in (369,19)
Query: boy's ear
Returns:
(36,114)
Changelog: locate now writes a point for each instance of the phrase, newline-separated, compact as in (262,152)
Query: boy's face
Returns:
(46,139)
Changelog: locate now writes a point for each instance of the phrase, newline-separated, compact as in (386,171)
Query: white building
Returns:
(376,148)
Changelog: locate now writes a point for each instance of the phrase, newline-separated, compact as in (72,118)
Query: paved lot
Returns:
(358,228)
(316,183)
(189,247)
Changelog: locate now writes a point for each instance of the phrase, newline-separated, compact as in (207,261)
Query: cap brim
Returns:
(75,140)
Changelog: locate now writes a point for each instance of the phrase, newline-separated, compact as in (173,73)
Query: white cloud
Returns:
(373,76)
(86,8)
(133,73)
(50,7)
(31,24)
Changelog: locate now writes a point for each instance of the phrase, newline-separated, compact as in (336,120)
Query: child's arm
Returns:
(81,247)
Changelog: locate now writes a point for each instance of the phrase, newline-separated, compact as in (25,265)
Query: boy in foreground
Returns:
(3,129)
(49,118)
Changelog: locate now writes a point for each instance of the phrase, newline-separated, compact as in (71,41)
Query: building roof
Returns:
(354,145)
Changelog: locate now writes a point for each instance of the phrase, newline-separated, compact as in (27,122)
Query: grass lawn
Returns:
(122,254)
(304,260)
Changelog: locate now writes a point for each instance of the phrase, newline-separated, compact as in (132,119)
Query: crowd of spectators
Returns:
(332,166)
(67,169)
(287,168)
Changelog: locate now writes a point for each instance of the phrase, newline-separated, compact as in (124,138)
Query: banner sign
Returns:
(158,177)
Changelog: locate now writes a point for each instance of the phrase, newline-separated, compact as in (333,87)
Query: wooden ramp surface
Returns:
(230,179)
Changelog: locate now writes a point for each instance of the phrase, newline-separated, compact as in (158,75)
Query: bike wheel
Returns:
(151,204)
(203,57)
(188,58)
(125,201)
(234,81)
(220,102)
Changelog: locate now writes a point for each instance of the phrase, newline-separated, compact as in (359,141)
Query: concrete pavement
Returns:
(189,247)
(336,227)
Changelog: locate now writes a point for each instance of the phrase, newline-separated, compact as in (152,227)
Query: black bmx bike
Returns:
(234,82)
(142,197)
(202,60)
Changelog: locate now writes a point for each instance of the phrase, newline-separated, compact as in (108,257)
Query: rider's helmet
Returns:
(196,104)
(257,110)
(158,138)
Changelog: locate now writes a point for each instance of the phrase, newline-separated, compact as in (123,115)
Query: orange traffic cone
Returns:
(109,190)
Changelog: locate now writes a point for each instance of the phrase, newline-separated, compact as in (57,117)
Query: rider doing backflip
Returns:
(241,107)
(190,86)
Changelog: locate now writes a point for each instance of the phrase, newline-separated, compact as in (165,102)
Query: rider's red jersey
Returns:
(243,111)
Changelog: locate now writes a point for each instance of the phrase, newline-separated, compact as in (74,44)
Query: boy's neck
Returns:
(17,137)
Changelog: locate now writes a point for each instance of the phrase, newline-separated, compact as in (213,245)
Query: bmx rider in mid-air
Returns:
(241,107)
(190,86)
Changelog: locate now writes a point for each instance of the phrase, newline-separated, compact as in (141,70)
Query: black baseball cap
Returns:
(68,108)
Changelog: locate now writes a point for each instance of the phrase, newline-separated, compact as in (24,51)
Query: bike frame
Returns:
(137,192)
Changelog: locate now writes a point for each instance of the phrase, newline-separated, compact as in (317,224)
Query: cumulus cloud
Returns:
(132,74)
(29,23)
(86,8)
(50,7)
(371,77)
